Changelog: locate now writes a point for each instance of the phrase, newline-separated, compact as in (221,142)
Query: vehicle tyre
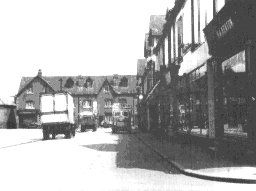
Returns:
(45,134)
(73,132)
(113,130)
(68,135)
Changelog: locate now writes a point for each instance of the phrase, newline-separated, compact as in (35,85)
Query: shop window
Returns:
(87,104)
(234,91)
(30,105)
(29,90)
(193,102)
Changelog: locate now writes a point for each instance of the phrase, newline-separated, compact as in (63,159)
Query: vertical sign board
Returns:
(211,110)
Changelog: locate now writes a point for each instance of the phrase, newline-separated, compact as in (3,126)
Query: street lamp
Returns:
(140,97)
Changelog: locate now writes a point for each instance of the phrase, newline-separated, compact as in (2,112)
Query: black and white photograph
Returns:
(127,95)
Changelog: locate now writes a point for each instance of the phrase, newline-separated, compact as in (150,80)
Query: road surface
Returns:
(94,161)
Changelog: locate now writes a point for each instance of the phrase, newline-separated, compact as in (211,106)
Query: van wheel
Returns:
(45,134)
(68,135)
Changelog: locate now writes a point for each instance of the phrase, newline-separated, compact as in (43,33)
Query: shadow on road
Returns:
(132,153)
(102,147)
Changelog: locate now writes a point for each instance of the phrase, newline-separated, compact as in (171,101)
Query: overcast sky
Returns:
(72,37)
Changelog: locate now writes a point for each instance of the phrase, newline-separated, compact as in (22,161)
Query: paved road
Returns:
(94,161)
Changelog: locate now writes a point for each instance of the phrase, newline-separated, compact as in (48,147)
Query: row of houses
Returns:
(198,74)
(90,93)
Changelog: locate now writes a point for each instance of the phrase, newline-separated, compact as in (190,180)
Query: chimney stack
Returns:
(39,73)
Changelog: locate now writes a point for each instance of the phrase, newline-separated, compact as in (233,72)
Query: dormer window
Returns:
(30,105)
(123,82)
(29,90)
(69,83)
(88,83)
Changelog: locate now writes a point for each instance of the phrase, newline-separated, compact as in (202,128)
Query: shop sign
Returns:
(227,26)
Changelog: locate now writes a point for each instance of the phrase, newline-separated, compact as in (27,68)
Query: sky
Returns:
(72,37)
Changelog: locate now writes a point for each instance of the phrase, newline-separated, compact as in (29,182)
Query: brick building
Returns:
(90,93)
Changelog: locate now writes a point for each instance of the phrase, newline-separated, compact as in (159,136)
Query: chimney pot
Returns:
(39,73)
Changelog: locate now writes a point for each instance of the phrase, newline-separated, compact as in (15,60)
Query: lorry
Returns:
(122,115)
(57,114)
(88,120)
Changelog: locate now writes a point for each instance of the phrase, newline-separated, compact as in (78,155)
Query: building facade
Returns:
(206,86)
(90,93)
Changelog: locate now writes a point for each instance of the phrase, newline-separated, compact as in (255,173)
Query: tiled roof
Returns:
(141,64)
(156,24)
(54,82)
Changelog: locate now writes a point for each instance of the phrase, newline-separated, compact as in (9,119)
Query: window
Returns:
(108,103)
(88,83)
(29,90)
(106,89)
(123,82)
(193,105)
(219,5)
(30,105)
(234,92)
(122,101)
(69,83)
(180,36)
(87,104)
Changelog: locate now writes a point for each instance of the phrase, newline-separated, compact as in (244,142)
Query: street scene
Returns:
(128,95)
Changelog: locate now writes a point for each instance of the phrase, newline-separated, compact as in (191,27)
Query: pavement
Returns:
(193,161)
(14,137)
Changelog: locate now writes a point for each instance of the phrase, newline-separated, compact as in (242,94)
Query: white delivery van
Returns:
(57,114)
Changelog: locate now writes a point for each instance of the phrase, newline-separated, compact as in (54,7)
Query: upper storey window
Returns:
(106,89)
(69,83)
(123,82)
(88,83)
(29,90)
(30,105)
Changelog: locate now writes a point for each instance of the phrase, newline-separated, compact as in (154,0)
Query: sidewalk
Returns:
(13,137)
(193,161)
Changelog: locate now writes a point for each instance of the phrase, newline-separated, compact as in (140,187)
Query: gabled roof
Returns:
(106,82)
(54,83)
(141,64)
(26,81)
(156,24)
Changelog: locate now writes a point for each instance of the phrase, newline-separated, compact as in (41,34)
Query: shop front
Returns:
(232,41)
(193,103)
(29,118)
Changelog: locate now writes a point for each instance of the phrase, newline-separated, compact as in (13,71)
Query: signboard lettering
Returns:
(227,26)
